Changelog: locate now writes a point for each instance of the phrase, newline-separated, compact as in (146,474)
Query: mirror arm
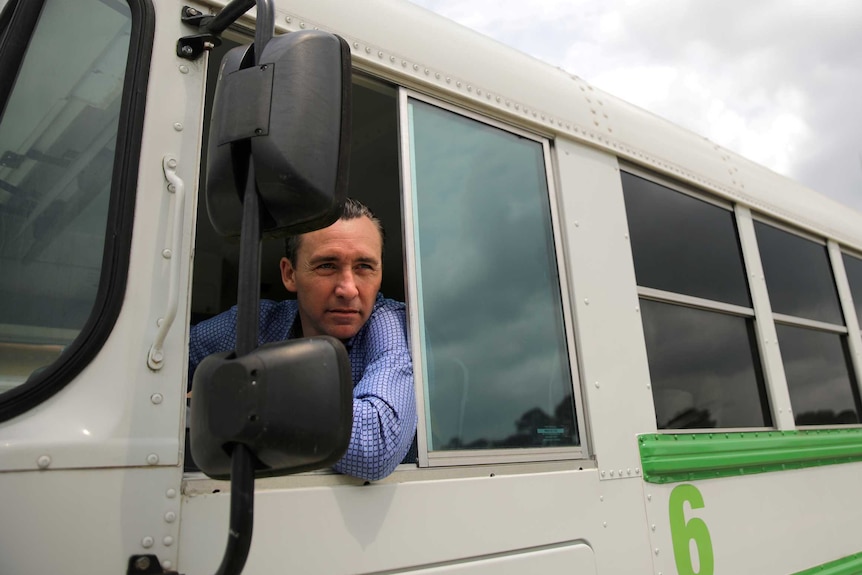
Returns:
(248,305)
(191,47)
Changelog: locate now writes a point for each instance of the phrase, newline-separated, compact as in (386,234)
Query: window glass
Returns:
(798,275)
(822,387)
(57,140)
(494,347)
(684,245)
(704,367)
(853,266)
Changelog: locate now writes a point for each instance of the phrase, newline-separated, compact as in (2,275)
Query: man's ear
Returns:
(288,275)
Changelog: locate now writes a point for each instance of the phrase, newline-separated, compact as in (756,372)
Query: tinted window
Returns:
(682,244)
(57,145)
(494,346)
(798,275)
(822,387)
(704,367)
(853,266)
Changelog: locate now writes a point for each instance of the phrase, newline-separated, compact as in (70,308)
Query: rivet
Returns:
(160,321)
(147,542)
(458,84)
(166,565)
(168,540)
(604,524)
(302,24)
(469,88)
(478,92)
(656,550)
(437,75)
(415,67)
(380,54)
(368,49)
(403,63)
(44,461)
(172,188)
(156,398)
(172,163)
(597,385)
(392,59)
(649,497)
(626,236)
(637,470)
(448,80)
(586,301)
(142,563)
(648,386)
(171,493)
(577,223)
(637,310)
(652,526)
(184,69)
(603,473)
(612,472)
(152,458)
(166,253)
(158,356)
(629,471)
(601,497)
(498,99)
(288,19)
(427,71)
(621,472)
(170,517)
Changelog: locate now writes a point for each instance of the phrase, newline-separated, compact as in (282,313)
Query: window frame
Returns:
(119,225)
(845,304)
(715,306)
(428,458)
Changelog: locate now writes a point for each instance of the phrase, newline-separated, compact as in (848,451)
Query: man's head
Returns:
(336,272)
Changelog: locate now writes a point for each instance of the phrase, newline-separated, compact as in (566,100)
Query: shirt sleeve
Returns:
(384,406)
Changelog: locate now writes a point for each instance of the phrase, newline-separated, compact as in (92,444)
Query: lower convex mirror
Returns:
(290,403)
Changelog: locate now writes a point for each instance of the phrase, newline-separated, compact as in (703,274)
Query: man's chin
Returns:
(342,332)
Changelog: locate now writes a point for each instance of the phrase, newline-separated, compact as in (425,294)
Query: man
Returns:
(336,274)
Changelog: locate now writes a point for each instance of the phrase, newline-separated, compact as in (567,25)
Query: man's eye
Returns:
(326,267)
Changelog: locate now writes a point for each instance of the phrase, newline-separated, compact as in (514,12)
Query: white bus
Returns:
(635,352)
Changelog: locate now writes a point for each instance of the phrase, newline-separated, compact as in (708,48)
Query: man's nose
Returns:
(346,286)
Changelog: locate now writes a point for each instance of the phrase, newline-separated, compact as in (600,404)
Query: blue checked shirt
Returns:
(384,408)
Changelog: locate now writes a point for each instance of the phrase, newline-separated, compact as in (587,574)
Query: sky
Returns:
(777,81)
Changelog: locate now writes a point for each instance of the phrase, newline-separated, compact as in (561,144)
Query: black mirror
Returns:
(290,403)
(292,112)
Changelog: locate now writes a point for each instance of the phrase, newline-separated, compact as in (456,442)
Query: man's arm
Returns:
(384,406)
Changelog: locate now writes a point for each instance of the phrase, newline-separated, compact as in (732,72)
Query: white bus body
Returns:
(91,471)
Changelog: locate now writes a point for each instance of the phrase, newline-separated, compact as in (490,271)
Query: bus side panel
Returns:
(771,523)
(534,522)
(88,521)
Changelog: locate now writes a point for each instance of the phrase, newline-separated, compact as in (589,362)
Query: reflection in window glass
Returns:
(822,386)
(798,275)
(684,245)
(704,367)
(853,266)
(496,366)
(57,140)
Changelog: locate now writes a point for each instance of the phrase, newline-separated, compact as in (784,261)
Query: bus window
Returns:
(494,355)
(812,336)
(696,310)
(853,266)
(58,140)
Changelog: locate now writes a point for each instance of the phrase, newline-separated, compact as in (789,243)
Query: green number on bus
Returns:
(683,532)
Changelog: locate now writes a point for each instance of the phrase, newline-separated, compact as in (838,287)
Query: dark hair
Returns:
(352,209)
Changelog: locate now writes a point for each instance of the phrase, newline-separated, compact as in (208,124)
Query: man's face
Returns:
(336,277)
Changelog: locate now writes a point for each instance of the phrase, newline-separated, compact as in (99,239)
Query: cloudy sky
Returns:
(778,81)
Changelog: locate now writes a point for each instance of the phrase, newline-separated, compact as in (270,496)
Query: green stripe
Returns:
(851,565)
(671,458)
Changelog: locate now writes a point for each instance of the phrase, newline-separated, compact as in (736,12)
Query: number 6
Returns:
(694,529)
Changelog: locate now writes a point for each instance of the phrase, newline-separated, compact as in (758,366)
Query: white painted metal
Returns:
(854,337)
